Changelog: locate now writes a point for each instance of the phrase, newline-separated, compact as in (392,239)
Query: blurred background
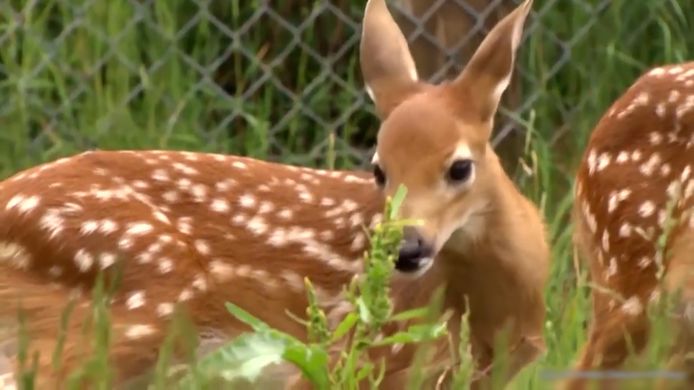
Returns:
(280,80)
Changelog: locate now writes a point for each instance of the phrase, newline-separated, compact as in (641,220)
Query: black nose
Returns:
(413,251)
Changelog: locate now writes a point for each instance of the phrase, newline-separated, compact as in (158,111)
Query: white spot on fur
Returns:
(139,229)
(140,185)
(161,217)
(648,167)
(89,227)
(239,219)
(327,235)
(685,173)
(165,309)
(356,219)
(203,247)
(647,209)
(661,110)
(589,217)
(84,260)
(625,230)
(636,155)
(606,241)
(52,222)
(14,201)
(655,138)
(224,185)
(603,161)
(592,161)
(247,201)
(239,165)
(665,170)
(657,72)
(278,237)
(199,192)
(15,255)
(185,225)
(257,225)
(294,280)
(674,96)
(185,169)
(160,175)
(612,268)
(327,202)
(221,270)
(185,295)
(632,306)
(645,262)
(27,205)
(266,207)
(286,214)
(200,283)
(135,300)
(622,157)
(165,265)
(135,332)
(106,260)
(171,196)
(125,243)
(359,242)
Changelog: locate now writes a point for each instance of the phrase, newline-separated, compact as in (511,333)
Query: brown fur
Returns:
(617,236)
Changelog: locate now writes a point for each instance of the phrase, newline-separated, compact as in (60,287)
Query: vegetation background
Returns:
(279,80)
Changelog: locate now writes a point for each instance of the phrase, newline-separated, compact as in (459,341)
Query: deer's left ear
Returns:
(488,72)
(386,63)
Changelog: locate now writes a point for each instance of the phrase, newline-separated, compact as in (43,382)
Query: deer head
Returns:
(434,139)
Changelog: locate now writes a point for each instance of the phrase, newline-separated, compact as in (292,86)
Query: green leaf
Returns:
(312,361)
(410,314)
(364,312)
(396,202)
(244,358)
(345,326)
(247,318)
(414,334)
(364,372)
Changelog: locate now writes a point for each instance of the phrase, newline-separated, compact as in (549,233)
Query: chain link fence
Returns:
(280,79)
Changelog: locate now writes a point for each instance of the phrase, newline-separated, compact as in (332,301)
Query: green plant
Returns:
(356,334)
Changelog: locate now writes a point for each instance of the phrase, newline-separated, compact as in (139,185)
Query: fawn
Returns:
(635,185)
(195,230)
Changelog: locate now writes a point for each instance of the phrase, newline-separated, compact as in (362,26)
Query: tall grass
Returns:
(177,74)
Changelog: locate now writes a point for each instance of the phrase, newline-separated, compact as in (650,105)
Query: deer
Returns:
(190,230)
(634,187)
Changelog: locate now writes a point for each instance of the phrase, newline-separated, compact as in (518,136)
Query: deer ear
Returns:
(488,72)
(386,63)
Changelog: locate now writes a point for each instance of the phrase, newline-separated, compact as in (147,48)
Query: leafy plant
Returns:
(246,356)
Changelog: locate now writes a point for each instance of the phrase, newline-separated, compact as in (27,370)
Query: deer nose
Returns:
(415,253)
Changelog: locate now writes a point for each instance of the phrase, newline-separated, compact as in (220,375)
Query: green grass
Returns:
(82,74)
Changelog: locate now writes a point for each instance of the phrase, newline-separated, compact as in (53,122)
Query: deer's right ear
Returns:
(386,63)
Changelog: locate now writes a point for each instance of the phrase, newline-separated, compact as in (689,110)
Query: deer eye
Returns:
(460,171)
(379,175)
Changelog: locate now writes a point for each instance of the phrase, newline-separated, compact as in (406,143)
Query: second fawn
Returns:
(634,215)
(196,230)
